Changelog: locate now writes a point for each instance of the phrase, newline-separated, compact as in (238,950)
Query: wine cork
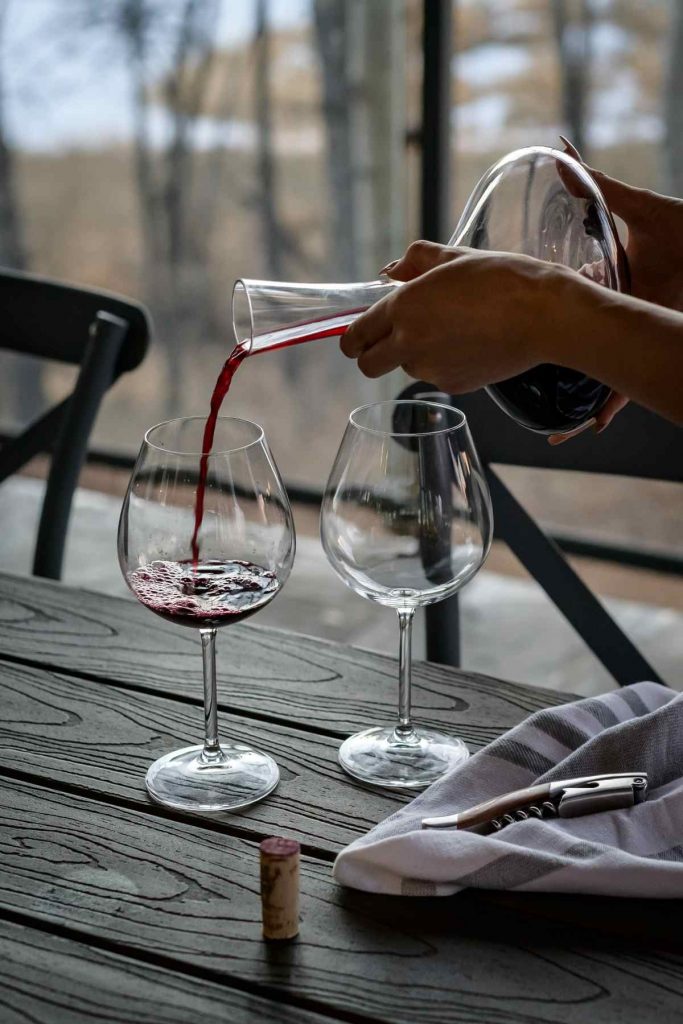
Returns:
(280,888)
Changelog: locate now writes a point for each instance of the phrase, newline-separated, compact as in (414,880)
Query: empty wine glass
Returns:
(245,553)
(406,521)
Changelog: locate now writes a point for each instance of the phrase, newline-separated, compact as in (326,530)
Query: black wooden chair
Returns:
(106,335)
(637,444)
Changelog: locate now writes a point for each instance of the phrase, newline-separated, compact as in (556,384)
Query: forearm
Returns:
(636,347)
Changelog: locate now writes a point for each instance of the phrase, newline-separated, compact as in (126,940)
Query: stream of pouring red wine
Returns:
(225,377)
(221,389)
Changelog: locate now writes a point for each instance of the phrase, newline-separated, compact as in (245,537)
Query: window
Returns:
(162,148)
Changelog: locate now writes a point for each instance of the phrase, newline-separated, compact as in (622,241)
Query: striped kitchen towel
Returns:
(634,852)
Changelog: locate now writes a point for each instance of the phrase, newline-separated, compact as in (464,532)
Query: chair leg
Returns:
(443,632)
(545,562)
(97,372)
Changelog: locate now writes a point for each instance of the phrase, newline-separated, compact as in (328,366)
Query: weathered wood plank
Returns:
(155,885)
(261,671)
(48,979)
(102,739)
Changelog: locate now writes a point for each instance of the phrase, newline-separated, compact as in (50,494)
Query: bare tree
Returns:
(362,60)
(331,29)
(573,23)
(265,195)
(673,103)
(281,247)
(164,179)
(12,252)
(147,33)
(26,377)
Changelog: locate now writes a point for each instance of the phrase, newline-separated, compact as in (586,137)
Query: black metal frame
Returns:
(435,135)
(442,620)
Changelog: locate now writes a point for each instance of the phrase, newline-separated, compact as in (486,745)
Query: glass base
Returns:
(235,777)
(383,757)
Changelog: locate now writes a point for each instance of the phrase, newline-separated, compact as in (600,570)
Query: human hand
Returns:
(654,249)
(467,340)
(655,236)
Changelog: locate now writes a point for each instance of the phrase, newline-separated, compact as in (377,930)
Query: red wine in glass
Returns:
(205,595)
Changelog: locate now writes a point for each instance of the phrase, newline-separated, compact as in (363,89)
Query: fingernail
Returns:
(561,438)
(601,427)
(570,148)
(389,266)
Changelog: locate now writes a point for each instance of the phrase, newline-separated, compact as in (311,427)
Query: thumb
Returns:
(418,258)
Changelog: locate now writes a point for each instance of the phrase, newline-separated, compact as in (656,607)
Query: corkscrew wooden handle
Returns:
(484,812)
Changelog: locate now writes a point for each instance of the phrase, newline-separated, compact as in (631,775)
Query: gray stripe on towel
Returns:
(521,755)
(635,702)
(512,870)
(598,709)
(673,853)
(560,729)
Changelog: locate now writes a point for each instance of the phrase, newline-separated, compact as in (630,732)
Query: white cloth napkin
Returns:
(634,852)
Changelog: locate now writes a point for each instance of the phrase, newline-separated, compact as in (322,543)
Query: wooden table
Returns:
(114,909)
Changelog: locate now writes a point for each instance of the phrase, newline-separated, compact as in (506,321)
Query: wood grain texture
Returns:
(143,884)
(101,739)
(322,685)
(46,979)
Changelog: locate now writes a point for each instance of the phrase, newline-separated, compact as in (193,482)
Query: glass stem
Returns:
(404,728)
(212,750)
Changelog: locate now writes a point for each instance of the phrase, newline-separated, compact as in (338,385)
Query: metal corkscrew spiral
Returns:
(546,810)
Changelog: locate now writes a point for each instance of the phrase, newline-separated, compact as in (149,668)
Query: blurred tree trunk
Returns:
(361,49)
(572,20)
(265,195)
(27,374)
(276,240)
(331,31)
(184,94)
(12,252)
(133,25)
(673,104)
(173,253)
(382,234)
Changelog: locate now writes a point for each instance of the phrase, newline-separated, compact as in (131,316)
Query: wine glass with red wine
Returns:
(205,541)
(406,521)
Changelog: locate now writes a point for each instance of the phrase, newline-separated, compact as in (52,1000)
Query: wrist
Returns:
(580,323)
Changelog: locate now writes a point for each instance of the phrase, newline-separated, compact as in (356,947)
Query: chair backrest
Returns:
(47,318)
(637,444)
(105,335)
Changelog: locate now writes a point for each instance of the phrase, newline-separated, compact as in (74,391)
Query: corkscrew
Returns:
(566,799)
